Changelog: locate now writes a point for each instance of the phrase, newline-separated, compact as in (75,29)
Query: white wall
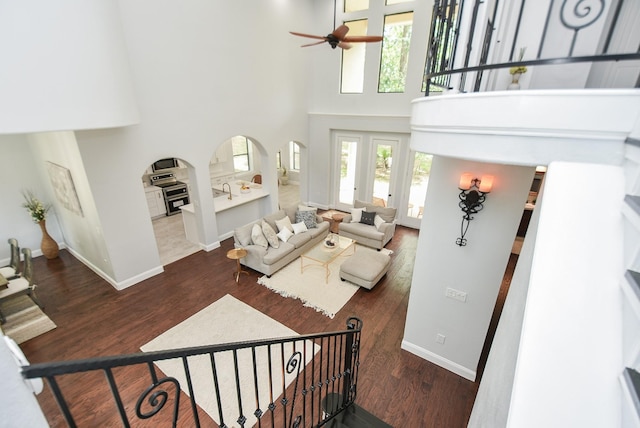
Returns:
(64,67)
(21,171)
(476,269)
(83,234)
(325,62)
(202,72)
(491,408)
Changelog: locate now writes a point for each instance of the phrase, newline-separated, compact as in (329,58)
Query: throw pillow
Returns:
(285,234)
(299,227)
(308,217)
(378,221)
(258,237)
(356,215)
(284,223)
(367,218)
(270,234)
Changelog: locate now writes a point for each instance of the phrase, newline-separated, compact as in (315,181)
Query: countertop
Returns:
(222,202)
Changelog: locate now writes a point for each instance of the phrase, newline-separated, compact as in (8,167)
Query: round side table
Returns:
(337,219)
(236,254)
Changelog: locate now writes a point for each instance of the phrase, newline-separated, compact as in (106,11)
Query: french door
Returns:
(347,169)
(365,169)
(380,169)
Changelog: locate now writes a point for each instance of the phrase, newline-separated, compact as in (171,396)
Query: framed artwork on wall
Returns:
(63,188)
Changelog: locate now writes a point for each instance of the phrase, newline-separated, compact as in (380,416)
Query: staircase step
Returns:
(353,416)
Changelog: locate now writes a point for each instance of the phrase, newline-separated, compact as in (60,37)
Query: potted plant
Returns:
(284,178)
(517,71)
(38,212)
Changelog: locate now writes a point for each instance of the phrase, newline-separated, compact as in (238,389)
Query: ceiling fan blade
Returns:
(308,35)
(344,45)
(313,44)
(358,39)
(340,32)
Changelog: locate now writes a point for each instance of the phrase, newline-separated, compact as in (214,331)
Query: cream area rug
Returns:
(229,320)
(24,319)
(310,286)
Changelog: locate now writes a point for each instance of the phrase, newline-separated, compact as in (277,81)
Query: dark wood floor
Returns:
(94,319)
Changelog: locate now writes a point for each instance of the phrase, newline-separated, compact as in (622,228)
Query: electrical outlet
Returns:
(452,293)
(440,338)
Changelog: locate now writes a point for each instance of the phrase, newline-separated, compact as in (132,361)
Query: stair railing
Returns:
(320,367)
(571,16)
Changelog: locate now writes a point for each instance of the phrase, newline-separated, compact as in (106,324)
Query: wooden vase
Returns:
(48,246)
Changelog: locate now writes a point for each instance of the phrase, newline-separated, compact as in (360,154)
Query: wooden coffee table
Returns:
(324,256)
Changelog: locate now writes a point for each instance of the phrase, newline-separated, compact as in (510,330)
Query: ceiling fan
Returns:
(339,38)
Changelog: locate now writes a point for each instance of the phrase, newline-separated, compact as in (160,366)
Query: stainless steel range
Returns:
(176,193)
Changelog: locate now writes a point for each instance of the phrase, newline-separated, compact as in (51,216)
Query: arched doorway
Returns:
(290,160)
(166,186)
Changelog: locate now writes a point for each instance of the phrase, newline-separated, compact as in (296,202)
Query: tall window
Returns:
(395,52)
(241,153)
(359,16)
(352,81)
(445,21)
(295,156)
(355,5)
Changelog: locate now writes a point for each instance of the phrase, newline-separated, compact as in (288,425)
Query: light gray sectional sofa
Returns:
(269,259)
(371,235)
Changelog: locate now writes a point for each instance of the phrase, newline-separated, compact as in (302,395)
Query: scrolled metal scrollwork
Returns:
(578,14)
(294,364)
(157,398)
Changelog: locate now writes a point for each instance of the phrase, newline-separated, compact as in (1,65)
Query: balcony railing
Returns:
(569,21)
(319,368)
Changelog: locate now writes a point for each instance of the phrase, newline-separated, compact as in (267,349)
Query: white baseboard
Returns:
(214,245)
(117,285)
(440,361)
(321,206)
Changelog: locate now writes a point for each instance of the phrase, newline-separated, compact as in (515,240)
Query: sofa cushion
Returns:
(271,218)
(270,234)
(320,228)
(275,254)
(257,237)
(356,215)
(377,221)
(367,218)
(307,217)
(285,234)
(299,239)
(299,227)
(290,211)
(242,235)
(388,214)
(363,230)
(284,223)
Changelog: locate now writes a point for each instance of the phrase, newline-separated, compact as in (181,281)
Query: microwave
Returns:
(163,164)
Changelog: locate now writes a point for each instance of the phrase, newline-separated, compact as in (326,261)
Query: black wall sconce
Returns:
(472,196)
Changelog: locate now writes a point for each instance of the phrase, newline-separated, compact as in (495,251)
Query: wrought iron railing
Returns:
(573,16)
(289,382)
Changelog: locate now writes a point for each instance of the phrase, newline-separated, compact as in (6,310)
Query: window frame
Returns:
(247,154)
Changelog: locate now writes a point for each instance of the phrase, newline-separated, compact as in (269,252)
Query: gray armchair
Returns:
(371,235)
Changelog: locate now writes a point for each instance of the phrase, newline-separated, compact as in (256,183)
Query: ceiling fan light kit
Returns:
(339,38)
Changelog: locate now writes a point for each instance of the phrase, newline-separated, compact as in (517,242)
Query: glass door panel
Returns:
(348,152)
(418,188)
(382,179)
